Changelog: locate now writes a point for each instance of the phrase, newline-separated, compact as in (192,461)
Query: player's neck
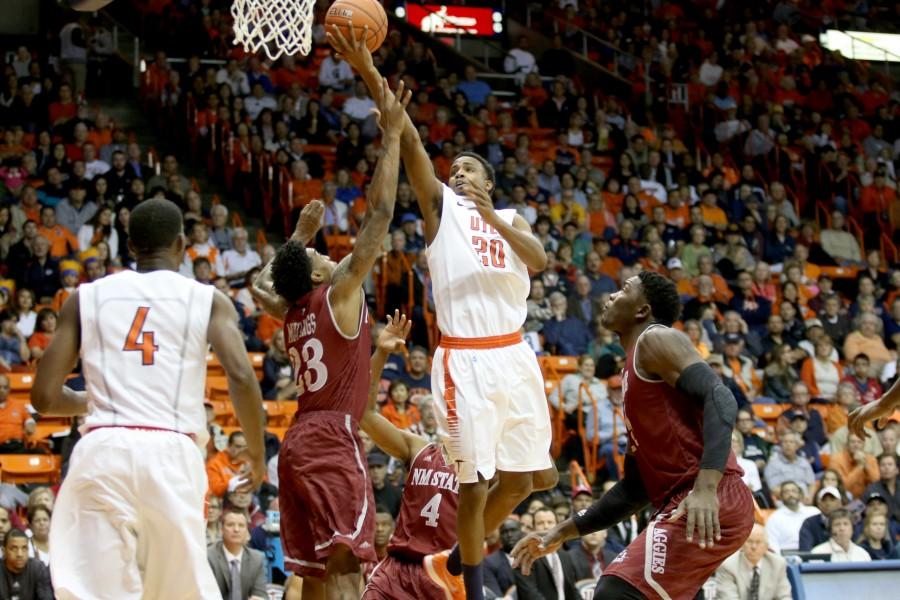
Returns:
(156,262)
(630,338)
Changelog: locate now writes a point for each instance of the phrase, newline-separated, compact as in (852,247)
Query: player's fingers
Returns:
(363,36)
(691,520)
(679,512)
(717,527)
(701,526)
(882,423)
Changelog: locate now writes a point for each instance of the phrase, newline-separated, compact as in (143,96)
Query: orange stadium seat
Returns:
(20,384)
(256,359)
(29,468)
(213,366)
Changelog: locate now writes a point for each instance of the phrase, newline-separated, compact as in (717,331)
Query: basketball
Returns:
(356,14)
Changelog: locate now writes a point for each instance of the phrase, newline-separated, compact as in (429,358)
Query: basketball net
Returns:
(277,27)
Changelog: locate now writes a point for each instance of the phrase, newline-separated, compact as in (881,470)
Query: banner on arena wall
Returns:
(442,19)
(863,45)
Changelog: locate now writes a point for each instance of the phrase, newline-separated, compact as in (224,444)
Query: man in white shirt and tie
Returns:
(753,573)
(240,571)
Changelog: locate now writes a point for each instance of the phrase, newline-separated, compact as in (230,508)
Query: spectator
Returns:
(552,576)
(239,260)
(13,347)
(780,374)
(838,243)
(39,533)
(15,422)
(335,73)
(168,170)
(868,389)
(386,493)
(799,403)
(75,210)
(564,335)
(814,530)
(739,367)
(26,318)
(240,571)
(753,572)
(417,376)
(62,241)
(225,471)
(785,464)
(886,486)
(753,309)
(876,538)
(40,339)
(866,339)
(402,413)
(591,556)
(856,468)
(820,372)
(213,520)
(100,228)
(476,91)
(755,447)
(751,471)
(384,528)
(498,571)
(538,307)
(201,247)
(520,61)
(783,525)
(582,305)
(278,374)
(22,578)
(835,324)
(839,545)
(219,231)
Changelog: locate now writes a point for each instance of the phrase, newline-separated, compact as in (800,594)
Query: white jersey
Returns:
(143,350)
(480,285)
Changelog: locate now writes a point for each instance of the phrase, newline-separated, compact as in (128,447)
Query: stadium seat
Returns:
(256,359)
(29,468)
(213,366)
(217,388)
(20,384)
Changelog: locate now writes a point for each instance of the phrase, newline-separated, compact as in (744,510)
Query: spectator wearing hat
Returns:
(799,402)
(840,545)
(857,468)
(75,210)
(386,493)
(868,388)
(410,226)
(821,371)
(887,485)
(814,530)
(753,572)
(739,367)
(786,464)
(783,525)
(798,423)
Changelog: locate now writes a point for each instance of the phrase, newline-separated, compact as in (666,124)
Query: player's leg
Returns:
(470,531)
(172,552)
(342,574)
(96,509)
(611,586)
(293,588)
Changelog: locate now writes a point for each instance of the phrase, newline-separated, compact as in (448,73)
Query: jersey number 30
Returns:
(431,510)
(310,373)
(139,340)
(490,251)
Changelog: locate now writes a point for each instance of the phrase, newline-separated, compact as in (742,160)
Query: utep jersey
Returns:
(331,370)
(427,520)
(665,433)
(480,285)
(143,350)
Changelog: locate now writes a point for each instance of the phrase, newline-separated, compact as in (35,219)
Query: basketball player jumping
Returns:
(326,500)
(427,520)
(136,485)
(679,418)
(487,384)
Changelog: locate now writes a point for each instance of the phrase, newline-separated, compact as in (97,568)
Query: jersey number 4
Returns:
(139,340)
(310,373)
(431,511)
(491,251)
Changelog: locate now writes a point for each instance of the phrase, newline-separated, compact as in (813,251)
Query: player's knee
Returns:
(517,485)
(545,480)
(341,562)
(474,492)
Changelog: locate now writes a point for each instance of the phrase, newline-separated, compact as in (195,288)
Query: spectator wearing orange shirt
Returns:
(62,241)
(876,199)
(304,188)
(398,409)
(226,469)
(856,468)
(441,130)
(15,422)
(713,215)
(43,333)
(64,108)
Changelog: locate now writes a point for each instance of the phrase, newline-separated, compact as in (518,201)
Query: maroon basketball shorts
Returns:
(324,493)
(398,579)
(661,563)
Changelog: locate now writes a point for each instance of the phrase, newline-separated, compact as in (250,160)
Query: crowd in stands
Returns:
(770,200)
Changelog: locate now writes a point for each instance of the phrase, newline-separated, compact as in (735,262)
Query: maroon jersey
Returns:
(665,433)
(427,520)
(331,370)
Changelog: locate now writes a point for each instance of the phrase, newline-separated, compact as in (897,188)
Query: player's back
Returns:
(143,350)
(331,370)
(480,285)
(665,432)
(427,520)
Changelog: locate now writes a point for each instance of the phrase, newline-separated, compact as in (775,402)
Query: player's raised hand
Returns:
(309,222)
(702,508)
(350,48)
(862,416)
(391,111)
(532,547)
(393,337)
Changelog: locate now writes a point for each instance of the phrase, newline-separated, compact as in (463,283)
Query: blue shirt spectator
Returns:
(564,335)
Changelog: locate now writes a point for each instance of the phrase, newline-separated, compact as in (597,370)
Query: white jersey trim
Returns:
(648,561)
(634,357)
(362,313)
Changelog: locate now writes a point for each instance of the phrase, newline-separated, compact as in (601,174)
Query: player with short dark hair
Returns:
(679,417)
(326,501)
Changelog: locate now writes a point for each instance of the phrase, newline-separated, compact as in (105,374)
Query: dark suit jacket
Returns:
(539,584)
(498,574)
(253,571)
(582,566)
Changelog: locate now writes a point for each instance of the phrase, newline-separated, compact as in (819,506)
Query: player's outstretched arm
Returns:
(880,410)
(345,294)
(243,388)
(49,395)
(518,234)
(426,186)
(669,354)
(624,499)
(400,444)
(305,231)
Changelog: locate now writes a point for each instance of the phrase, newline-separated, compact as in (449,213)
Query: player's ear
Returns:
(178,246)
(489,186)
(643,312)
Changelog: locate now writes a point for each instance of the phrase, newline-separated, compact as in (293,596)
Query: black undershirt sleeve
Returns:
(701,384)
(623,500)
